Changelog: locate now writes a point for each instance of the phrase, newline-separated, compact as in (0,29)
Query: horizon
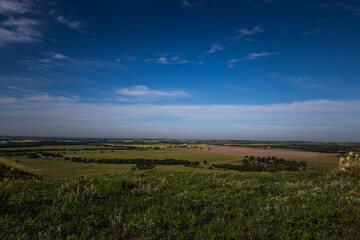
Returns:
(251,70)
(161,139)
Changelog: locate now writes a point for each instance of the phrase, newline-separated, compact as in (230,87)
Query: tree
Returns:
(145,165)
(205,162)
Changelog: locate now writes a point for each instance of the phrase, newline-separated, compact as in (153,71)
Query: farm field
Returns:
(318,160)
(242,151)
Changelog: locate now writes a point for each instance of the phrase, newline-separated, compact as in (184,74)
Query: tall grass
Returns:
(189,205)
(117,187)
(4,197)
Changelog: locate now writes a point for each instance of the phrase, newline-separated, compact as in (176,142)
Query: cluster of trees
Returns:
(260,164)
(14,173)
(146,165)
(192,164)
(38,153)
(132,161)
(44,154)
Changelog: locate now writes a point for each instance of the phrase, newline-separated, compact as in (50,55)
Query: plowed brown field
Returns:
(261,152)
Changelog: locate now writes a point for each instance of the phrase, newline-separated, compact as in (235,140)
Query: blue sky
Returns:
(226,69)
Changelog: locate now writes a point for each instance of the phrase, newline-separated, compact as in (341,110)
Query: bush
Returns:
(350,164)
(144,165)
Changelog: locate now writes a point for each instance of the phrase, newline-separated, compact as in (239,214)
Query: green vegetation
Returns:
(170,205)
(7,172)
(133,161)
(4,197)
(350,164)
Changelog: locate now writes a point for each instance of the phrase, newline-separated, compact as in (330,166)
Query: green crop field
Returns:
(319,163)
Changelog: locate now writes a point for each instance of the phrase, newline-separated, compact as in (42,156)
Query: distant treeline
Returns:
(40,143)
(22,152)
(44,154)
(134,161)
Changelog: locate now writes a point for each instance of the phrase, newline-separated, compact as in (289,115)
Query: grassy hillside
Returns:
(172,205)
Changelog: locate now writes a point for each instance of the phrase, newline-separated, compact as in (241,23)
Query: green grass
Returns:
(59,168)
(173,205)
(319,163)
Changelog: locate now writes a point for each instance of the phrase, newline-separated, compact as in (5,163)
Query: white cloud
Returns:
(187,3)
(75,25)
(18,27)
(329,118)
(251,56)
(215,47)
(22,30)
(167,59)
(57,56)
(10,7)
(143,93)
(242,32)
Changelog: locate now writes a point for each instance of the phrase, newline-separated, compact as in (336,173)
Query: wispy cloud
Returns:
(21,30)
(167,59)
(47,60)
(10,7)
(75,25)
(143,93)
(58,56)
(6,100)
(251,56)
(304,33)
(349,6)
(126,58)
(187,3)
(215,47)
(17,25)
(288,78)
(243,32)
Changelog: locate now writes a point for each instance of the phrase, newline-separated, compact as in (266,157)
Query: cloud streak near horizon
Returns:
(143,93)
(307,116)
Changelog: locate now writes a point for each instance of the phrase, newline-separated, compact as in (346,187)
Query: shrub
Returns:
(144,165)
(117,187)
(350,164)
